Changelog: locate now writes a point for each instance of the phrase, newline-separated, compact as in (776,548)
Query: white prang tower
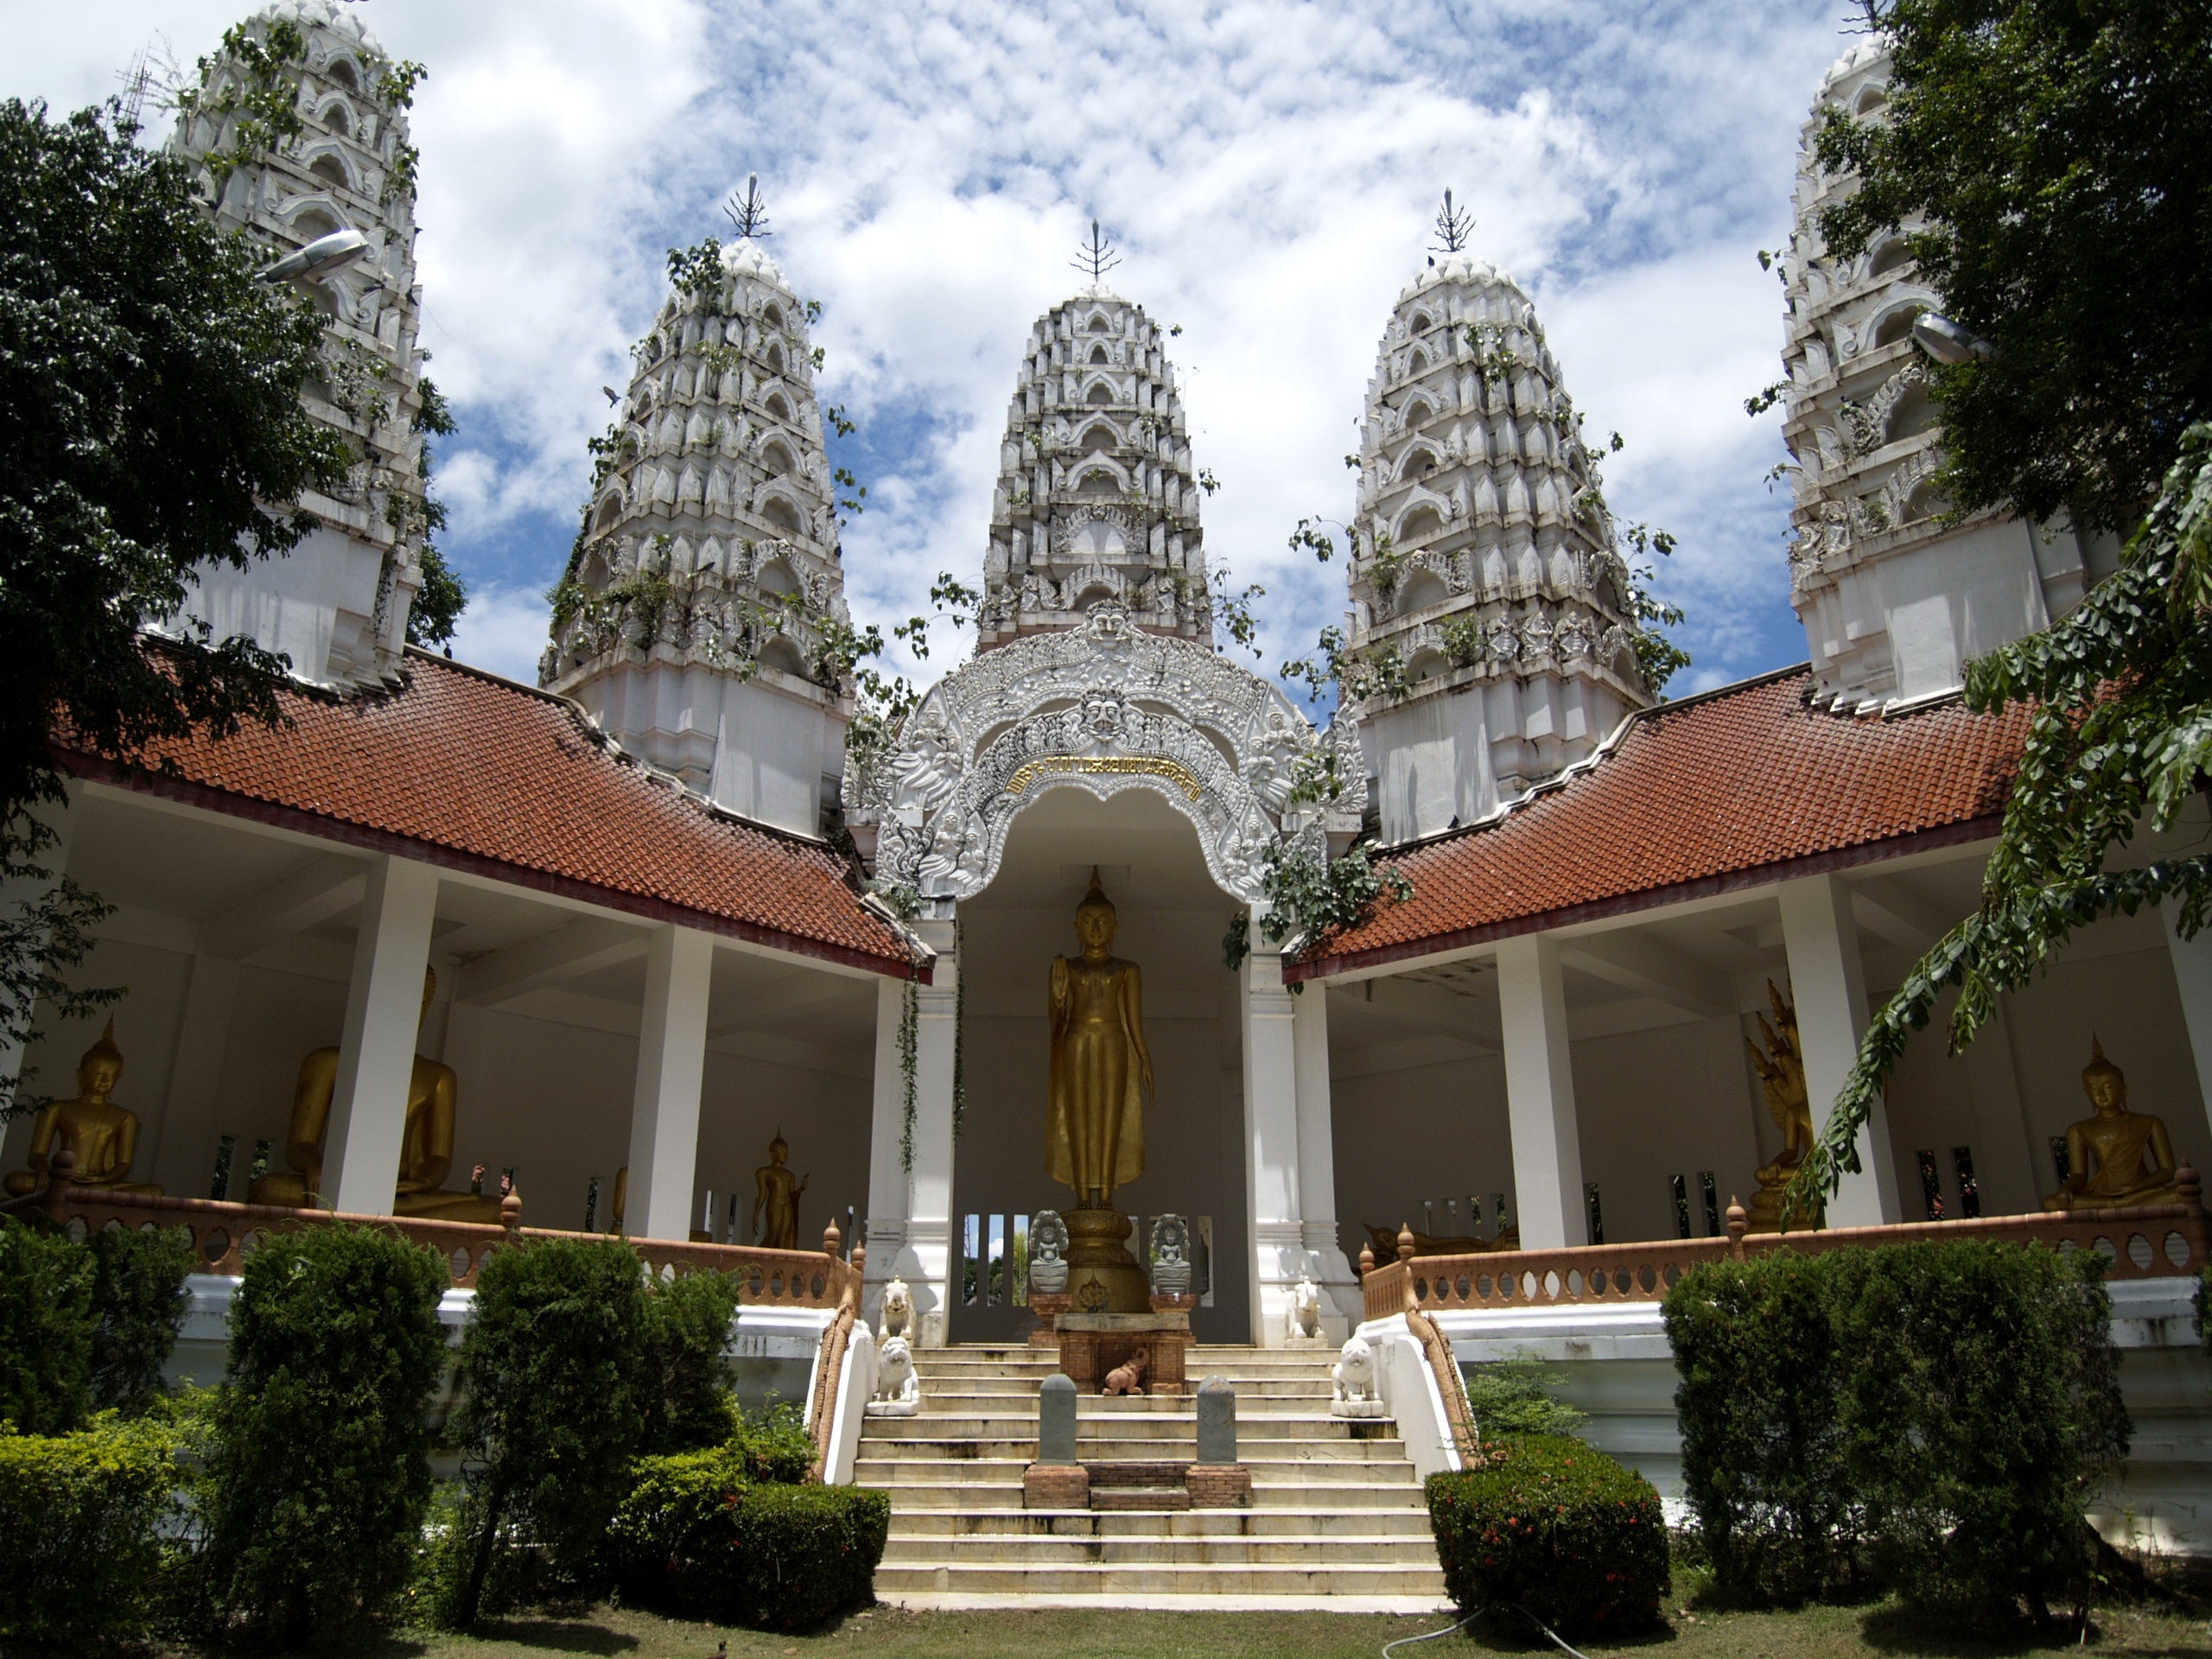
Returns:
(1893,602)
(337,603)
(1095,499)
(695,619)
(1483,566)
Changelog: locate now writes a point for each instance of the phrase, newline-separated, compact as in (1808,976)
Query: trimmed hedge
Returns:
(686,1401)
(1940,1412)
(139,1306)
(1761,1406)
(554,1369)
(46,1329)
(319,1477)
(1545,1523)
(80,1530)
(698,1540)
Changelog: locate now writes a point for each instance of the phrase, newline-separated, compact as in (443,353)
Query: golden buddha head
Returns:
(1094,917)
(100,1067)
(778,1148)
(2103,1081)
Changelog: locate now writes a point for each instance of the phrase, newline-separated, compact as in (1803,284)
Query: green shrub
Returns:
(685,1403)
(696,1539)
(1547,1524)
(139,1306)
(1944,1410)
(774,1443)
(1761,1406)
(1985,1412)
(553,1374)
(1508,1397)
(318,1473)
(46,1329)
(80,1521)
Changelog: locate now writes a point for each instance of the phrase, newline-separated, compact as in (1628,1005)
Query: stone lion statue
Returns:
(1354,1373)
(897,1308)
(898,1390)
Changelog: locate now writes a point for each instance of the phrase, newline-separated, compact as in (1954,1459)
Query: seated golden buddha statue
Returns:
(101,1135)
(425,1144)
(2118,1141)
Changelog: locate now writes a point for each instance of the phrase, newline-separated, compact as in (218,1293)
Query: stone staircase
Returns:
(1337,1520)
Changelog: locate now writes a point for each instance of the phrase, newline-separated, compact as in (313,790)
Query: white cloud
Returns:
(1267,166)
(503,630)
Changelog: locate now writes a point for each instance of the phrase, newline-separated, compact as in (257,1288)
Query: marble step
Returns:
(1098,1580)
(1301,1459)
(1288,1549)
(983,1385)
(939,1425)
(974,1491)
(1206,1523)
(1287,1475)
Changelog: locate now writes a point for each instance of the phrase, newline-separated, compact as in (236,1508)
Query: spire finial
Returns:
(749,213)
(1096,255)
(1453,226)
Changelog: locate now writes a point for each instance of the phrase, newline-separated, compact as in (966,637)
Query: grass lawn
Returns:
(1816,1633)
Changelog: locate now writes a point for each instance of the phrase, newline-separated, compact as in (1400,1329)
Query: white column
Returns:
(671,1069)
(1540,1096)
(1828,984)
(1317,1161)
(1271,1139)
(909,1208)
(2192,960)
(375,1052)
(185,1154)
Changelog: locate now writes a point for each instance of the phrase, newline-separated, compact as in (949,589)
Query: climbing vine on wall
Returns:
(959,1026)
(909,1026)
(1314,897)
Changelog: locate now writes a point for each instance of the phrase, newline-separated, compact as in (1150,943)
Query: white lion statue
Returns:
(1304,1310)
(897,1308)
(1354,1376)
(898,1390)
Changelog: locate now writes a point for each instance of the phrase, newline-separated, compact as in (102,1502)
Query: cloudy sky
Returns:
(1268,168)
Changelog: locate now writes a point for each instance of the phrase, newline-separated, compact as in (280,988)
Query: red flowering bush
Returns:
(1545,1523)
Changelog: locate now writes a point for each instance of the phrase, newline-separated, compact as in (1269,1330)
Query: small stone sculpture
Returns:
(1171,1256)
(898,1390)
(897,1308)
(1127,1377)
(1048,1245)
(1306,1310)
(1354,1376)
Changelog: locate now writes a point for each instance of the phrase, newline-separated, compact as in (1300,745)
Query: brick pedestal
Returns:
(1056,1486)
(1092,1344)
(1219,1485)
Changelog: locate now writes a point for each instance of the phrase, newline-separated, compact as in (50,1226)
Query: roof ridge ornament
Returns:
(749,214)
(1096,255)
(1452,228)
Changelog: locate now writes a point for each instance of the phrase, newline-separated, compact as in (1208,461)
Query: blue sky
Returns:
(1268,169)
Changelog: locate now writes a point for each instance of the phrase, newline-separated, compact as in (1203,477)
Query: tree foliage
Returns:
(149,412)
(2061,151)
(2120,731)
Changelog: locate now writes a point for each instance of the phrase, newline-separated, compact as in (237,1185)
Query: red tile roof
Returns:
(463,769)
(1738,788)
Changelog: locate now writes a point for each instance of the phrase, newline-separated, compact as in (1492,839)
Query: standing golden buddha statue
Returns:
(776,1193)
(2120,1141)
(1100,1073)
(101,1135)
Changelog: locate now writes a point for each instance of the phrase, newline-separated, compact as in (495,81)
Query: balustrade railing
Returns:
(223,1235)
(2149,1242)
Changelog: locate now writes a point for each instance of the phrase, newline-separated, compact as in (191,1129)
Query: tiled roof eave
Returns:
(190,792)
(1749,877)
